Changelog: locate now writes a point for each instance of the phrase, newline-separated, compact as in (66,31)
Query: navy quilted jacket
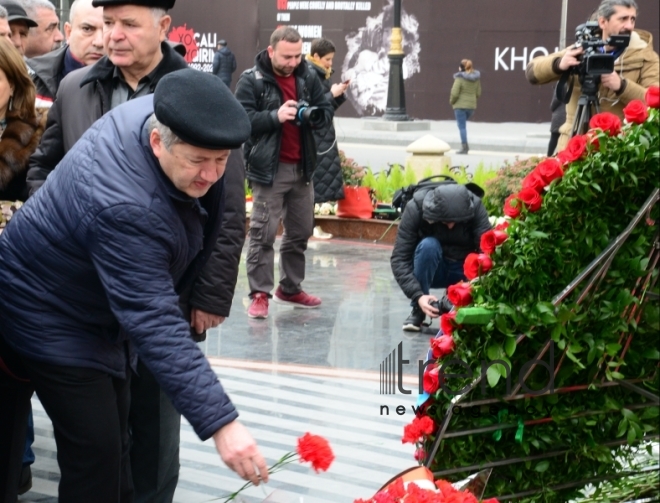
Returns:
(91,263)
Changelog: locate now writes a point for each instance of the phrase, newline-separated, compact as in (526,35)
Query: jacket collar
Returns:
(264,65)
(103,69)
(48,67)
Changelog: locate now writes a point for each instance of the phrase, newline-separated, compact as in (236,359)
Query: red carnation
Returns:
(426,425)
(512,206)
(606,121)
(316,450)
(477,265)
(460,294)
(549,170)
(574,151)
(420,455)
(447,324)
(636,112)
(410,433)
(534,181)
(502,227)
(531,199)
(431,381)
(442,346)
(652,97)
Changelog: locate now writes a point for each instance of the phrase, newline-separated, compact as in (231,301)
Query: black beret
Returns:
(159,4)
(201,110)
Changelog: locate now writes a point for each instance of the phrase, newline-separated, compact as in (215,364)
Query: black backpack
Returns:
(404,196)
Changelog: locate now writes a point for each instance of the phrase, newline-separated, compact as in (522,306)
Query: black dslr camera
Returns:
(307,114)
(588,36)
(443,305)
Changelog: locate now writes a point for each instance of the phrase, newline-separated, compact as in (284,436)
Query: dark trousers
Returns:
(432,269)
(14,410)
(155,427)
(89,411)
(552,145)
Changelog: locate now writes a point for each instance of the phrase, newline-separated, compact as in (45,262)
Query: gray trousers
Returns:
(291,198)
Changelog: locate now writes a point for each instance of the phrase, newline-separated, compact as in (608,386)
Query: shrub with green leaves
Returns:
(595,425)
(507,181)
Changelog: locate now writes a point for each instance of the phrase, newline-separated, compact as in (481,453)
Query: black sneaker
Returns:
(414,322)
(25,483)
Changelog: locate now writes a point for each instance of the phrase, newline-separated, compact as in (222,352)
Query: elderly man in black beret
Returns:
(92,271)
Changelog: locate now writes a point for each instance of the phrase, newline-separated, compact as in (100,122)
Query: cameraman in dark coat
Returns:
(280,158)
(224,63)
(92,273)
(438,229)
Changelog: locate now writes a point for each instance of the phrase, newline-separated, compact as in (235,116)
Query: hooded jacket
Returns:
(638,65)
(423,217)
(224,64)
(261,96)
(466,90)
(108,240)
(328,177)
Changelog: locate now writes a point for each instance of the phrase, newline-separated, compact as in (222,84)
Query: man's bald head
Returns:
(84,31)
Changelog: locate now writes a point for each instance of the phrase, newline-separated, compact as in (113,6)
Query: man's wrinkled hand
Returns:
(202,321)
(570,58)
(240,453)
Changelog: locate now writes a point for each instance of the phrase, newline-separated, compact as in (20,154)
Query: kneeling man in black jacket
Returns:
(438,229)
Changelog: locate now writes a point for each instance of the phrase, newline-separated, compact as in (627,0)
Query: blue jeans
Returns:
(28,455)
(432,270)
(462,116)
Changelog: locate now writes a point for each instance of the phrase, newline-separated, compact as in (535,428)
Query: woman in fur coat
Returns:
(21,126)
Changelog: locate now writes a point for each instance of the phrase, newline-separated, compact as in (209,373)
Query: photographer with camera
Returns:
(635,66)
(439,228)
(285,103)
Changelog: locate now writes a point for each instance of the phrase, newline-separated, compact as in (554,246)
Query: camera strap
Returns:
(564,87)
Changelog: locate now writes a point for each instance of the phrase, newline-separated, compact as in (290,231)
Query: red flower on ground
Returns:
(534,181)
(512,206)
(549,170)
(531,199)
(574,151)
(315,450)
(492,239)
(442,346)
(460,294)
(447,324)
(636,112)
(652,97)
(606,121)
(477,265)
(431,381)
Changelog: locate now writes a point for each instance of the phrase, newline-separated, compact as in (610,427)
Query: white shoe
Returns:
(319,234)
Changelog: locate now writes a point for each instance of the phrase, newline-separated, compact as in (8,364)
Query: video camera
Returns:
(588,36)
(307,114)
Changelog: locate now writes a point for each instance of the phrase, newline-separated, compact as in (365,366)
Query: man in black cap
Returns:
(19,24)
(439,227)
(100,256)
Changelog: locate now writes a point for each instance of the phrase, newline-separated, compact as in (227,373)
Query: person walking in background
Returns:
(224,63)
(327,178)
(558,118)
(464,95)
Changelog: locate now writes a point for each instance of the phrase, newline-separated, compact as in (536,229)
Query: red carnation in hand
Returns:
(460,294)
(492,239)
(531,199)
(606,121)
(652,97)
(477,265)
(636,112)
(534,181)
(512,206)
(447,324)
(442,346)
(316,450)
(549,170)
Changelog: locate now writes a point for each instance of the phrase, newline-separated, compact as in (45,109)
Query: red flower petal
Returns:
(315,450)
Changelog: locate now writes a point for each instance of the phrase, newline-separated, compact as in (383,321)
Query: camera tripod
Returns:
(587,104)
